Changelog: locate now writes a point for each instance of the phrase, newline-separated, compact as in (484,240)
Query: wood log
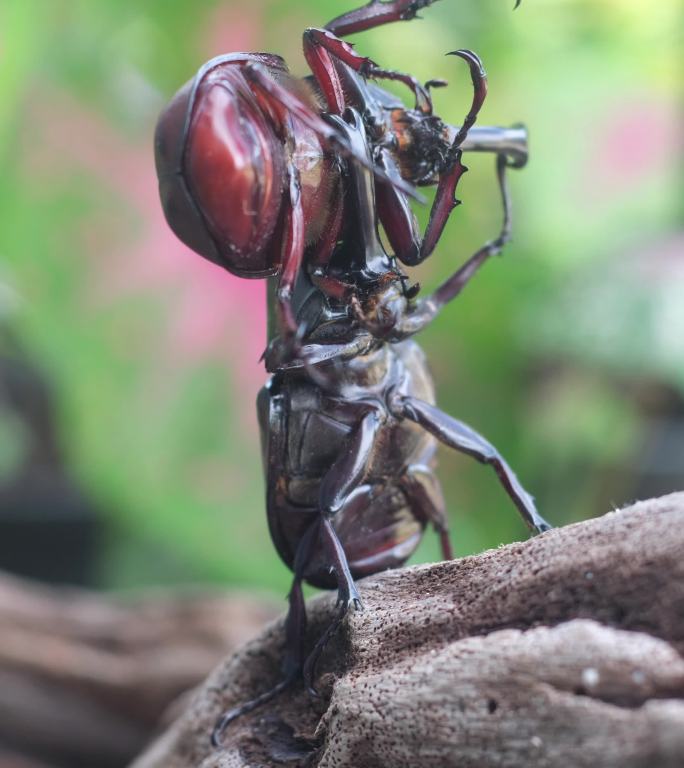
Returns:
(562,651)
(85,677)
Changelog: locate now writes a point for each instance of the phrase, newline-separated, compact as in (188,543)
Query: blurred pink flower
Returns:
(631,141)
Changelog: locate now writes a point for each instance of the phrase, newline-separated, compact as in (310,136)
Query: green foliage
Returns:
(162,435)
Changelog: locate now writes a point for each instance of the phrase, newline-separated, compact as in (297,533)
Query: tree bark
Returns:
(85,678)
(562,651)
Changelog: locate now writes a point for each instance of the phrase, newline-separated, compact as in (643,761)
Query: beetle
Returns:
(349,432)
(270,178)
(251,160)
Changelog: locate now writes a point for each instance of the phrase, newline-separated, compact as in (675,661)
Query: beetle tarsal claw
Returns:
(542,527)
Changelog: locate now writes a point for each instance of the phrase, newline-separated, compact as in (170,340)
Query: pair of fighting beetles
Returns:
(272,176)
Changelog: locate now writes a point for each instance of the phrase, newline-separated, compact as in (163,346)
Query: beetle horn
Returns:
(511,142)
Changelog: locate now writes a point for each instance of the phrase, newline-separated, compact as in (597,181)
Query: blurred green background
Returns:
(567,353)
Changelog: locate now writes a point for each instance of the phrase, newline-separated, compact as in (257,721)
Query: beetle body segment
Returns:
(304,430)
(223,165)
(235,166)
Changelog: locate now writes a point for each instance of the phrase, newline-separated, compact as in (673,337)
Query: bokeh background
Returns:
(128,439)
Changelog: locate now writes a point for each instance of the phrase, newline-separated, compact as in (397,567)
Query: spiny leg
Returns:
(379,12)
(461,437)
(424,494)
(394,211)
(321,44)
(316,40)
(445,198)
(295,629)
(324,52)
(346,597)
(340,480)
(427,308)
(375,14)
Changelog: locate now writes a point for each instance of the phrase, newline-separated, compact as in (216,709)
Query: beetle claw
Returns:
(350,601)
(542,527)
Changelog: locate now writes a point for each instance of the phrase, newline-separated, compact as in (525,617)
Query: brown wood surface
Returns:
(85,677)
(562,651)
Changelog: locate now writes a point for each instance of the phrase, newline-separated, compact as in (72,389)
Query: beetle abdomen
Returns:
(221,168)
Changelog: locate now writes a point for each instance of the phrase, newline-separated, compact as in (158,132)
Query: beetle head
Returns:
(422,145)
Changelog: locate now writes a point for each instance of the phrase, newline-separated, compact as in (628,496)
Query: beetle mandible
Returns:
(267,175)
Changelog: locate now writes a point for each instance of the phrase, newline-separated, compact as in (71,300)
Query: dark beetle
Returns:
(267,178)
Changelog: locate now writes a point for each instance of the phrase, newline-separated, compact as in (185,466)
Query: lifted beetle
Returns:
(270,178)
(252,162)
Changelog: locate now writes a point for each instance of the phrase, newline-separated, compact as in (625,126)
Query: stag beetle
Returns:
(270,176)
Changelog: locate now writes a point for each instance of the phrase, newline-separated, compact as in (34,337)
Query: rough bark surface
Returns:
(565,650)
(85,678)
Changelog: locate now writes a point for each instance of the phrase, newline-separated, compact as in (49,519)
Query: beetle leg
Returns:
(295,628)
(427,308)
(375,14)
(379,12)
(319,360)
(394,211)
(349,469)
(340,480)
(424,493)
(347,595)
(309,671)
(461,437)
(317,40)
